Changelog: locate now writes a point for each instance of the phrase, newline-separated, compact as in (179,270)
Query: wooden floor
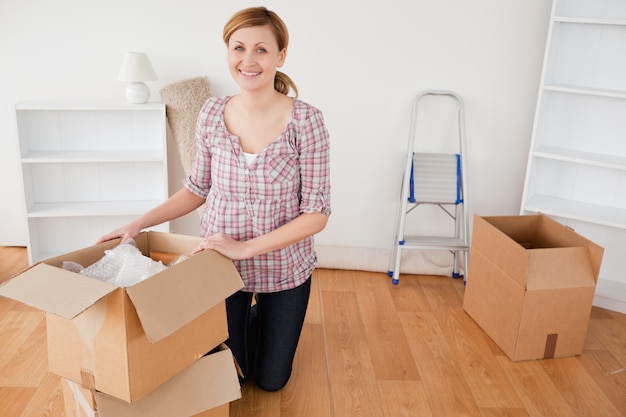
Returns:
(369,348)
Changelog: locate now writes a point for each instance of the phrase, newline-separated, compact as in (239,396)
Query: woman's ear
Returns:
(282,55)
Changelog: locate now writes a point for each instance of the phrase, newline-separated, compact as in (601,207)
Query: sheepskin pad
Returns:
(183,101)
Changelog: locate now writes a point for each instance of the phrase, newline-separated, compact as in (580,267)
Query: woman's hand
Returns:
(225,245)
(181,203)
(306,224)
(125,232)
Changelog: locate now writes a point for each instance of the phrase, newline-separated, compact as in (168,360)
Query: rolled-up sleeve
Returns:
(314,152)
(199,180)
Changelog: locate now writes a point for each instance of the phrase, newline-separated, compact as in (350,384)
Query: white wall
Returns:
(361,62)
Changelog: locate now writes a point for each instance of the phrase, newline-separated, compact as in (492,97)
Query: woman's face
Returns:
(253,57)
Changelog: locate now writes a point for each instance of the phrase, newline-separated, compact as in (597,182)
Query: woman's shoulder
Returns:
(212,110)
(213,104)
(212,113)
(303,111)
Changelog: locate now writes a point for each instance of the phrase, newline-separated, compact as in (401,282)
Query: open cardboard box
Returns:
(530,286)
(204,389)
(125,342)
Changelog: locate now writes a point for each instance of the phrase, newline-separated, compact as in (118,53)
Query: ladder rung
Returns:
(433,242)
(435,178)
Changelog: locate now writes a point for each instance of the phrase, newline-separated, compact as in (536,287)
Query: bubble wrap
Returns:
(124,266)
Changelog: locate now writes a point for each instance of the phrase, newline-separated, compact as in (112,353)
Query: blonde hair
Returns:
(260,16)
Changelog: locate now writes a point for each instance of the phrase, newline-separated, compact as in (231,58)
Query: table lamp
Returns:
(136,69)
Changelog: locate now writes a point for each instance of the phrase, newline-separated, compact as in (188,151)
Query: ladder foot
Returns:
(390,273)
(456,275)
(395,281)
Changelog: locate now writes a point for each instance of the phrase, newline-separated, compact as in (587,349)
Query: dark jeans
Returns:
(264,338)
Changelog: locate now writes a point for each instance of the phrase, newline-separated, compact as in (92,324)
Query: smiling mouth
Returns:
(249,74)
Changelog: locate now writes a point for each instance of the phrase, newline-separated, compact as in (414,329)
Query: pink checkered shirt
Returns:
(289,177)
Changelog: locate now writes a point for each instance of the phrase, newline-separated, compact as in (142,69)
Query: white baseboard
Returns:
(610,295)
(377,260)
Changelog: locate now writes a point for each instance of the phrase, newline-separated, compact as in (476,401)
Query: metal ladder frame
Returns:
(459,242)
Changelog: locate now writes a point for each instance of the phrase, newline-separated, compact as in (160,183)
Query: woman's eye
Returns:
(238,48)
(261,51)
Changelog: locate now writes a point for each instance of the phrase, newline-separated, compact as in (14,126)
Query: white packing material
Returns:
(123,266)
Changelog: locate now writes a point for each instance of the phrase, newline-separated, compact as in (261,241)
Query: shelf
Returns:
(590,21)
(144,155)
(592,213)
(88,167)
(87,106)
(585,91)
(577,160)
(580,157)
(87,209)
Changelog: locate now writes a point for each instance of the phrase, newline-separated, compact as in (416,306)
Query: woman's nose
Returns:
(249,60)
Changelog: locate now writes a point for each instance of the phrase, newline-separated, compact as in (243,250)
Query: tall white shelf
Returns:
(577,164)
(87,168)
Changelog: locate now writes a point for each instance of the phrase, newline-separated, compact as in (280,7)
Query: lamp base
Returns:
(137,92)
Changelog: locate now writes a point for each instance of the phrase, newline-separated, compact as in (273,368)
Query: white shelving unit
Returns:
(577,164)
(88,168)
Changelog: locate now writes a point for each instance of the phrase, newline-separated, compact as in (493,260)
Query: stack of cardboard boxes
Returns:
(151,349)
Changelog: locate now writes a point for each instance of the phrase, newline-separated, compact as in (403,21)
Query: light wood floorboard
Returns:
(369,348)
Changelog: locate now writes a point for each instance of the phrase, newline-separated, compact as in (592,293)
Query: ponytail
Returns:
(283,84)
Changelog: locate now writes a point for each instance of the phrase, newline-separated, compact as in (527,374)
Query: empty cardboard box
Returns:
(125,342)
(204,389)
(530,285)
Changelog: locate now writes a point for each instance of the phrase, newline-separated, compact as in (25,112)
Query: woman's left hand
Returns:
(225,245)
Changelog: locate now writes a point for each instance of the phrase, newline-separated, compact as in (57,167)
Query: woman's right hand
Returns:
(181,203)
(125,232)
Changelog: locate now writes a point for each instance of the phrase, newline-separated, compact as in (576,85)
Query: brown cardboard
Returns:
(79,401)
(204,389)
(126,342)
(531,283)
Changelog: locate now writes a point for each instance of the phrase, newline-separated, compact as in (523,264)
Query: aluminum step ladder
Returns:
(436,179)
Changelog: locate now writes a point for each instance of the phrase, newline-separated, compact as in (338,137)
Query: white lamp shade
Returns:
(137,67)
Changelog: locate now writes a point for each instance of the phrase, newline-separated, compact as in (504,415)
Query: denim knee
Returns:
(270,384)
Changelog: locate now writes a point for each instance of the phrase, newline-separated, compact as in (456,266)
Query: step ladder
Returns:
(436,179)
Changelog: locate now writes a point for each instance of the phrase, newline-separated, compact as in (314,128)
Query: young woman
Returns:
(262,167)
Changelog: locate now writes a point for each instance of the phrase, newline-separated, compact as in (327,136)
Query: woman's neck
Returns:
(258,101)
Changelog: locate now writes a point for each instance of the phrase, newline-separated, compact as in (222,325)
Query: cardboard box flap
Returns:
(169,242)
(521,229)
(554,268)
(509,238)
(85,256)
(505,253)
(553,234)
(210,382)
(55,290)
(167,301)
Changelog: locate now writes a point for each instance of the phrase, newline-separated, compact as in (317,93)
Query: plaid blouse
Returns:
(289,177)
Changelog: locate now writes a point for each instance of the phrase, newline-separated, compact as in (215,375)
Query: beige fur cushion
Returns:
(183,101)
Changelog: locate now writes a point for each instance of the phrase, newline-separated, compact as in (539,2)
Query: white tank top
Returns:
(250,157)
